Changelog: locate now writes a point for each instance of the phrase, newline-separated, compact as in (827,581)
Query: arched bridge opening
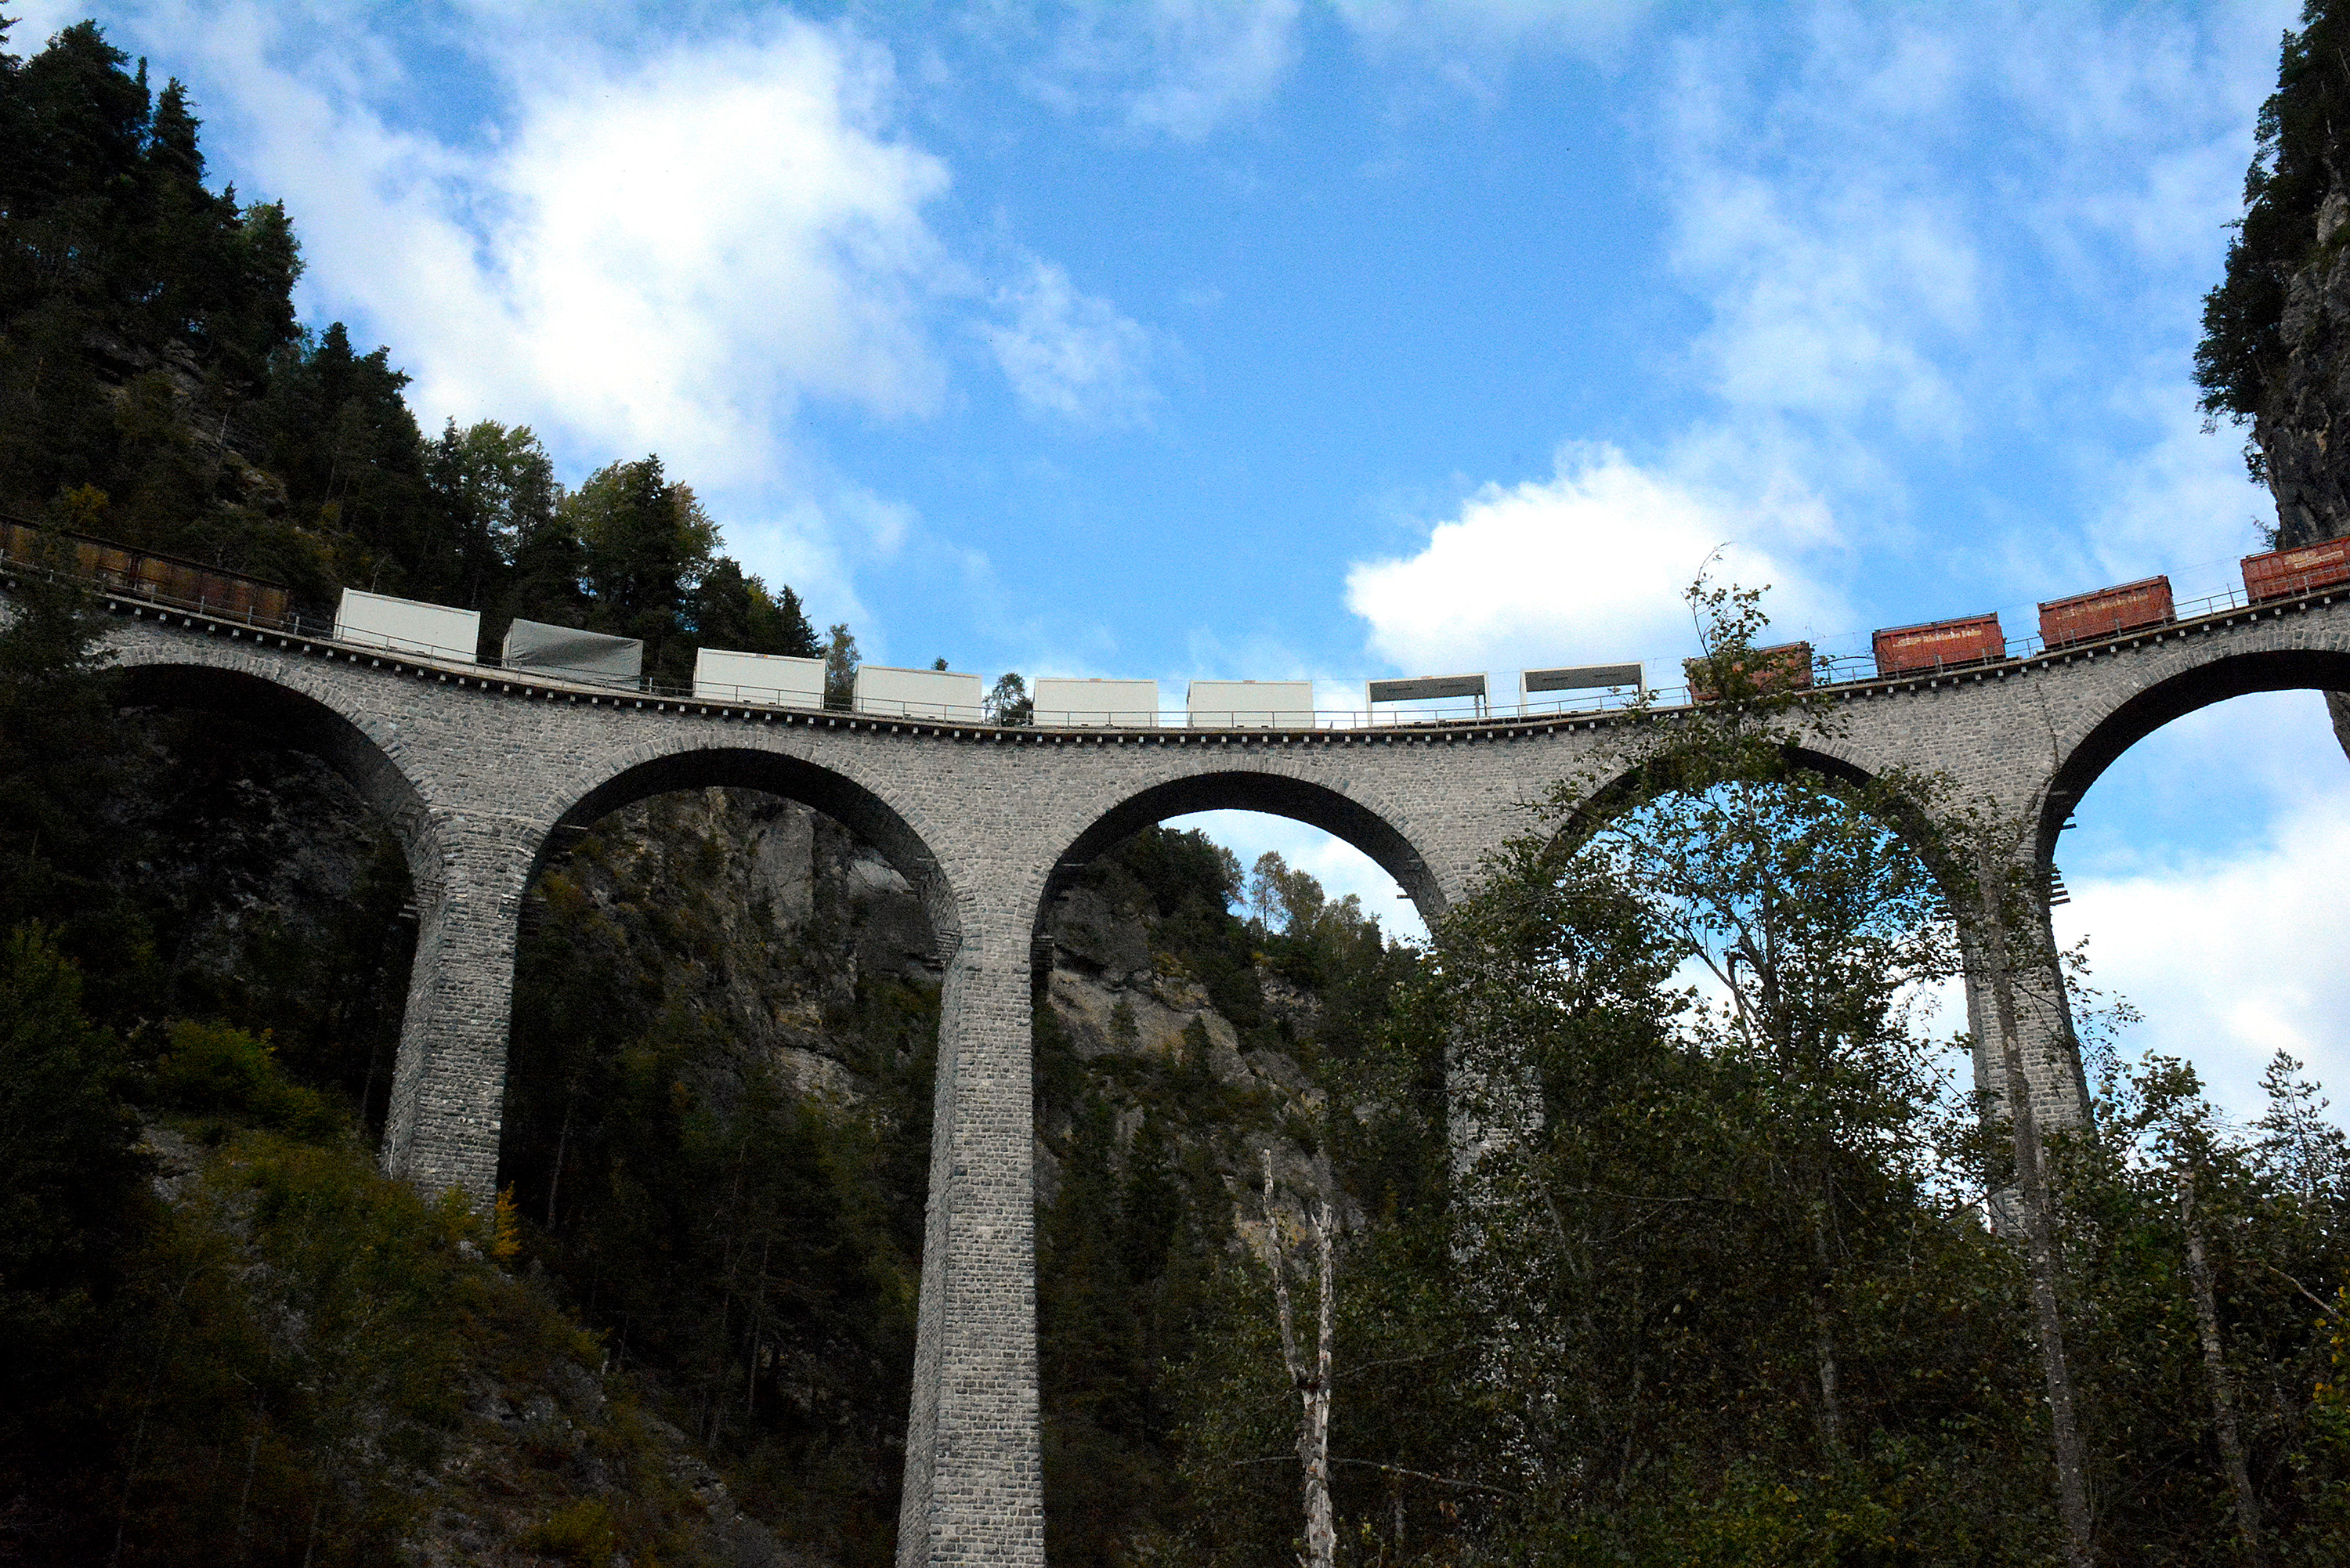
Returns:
(1277,795)
(2311,668)
(727,1019)
(1178,1044)
(856,806)
(277,854)
(2198,841)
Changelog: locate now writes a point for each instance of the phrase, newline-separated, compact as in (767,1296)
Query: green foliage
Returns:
(295,1359)
(752,1250)
(216,1069)
(2242,354)
(732,609)
(69,1173)
(649,544)
(582,1532)
(840,661)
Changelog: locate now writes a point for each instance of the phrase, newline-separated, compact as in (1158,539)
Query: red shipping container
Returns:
(2281,573)
(1939,644)
(1782,667)
(2084,617)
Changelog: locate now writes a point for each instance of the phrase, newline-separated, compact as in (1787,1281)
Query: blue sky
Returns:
(1342,338)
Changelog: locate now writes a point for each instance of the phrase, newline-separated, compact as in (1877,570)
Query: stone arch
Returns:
(1243,789)
(439,1124)
(2054,1072)
(855,804)
(2277,669)
(304,720)
(1634,785)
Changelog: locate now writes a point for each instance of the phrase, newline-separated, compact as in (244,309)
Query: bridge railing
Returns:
(238,605)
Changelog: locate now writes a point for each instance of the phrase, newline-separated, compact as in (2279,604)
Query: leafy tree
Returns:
(840,661)
(1008,701)
(495,489)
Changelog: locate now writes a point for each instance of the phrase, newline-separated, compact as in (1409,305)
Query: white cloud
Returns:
(1826,307)
(1070,354)
(667,251)
(2232,957)
(1914,231)
(1587,566)
(1515,21)
(1179,69)
(669,245)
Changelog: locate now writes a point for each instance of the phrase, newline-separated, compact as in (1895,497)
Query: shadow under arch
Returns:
(2235,675)
(301,722)
(837,797)
(1276,795)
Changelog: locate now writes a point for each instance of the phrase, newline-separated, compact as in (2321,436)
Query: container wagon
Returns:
(1782,667)
(2282,573)
(2107,612)
(146,574)
(1939,645)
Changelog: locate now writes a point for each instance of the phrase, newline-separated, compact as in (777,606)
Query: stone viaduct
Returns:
(476,771)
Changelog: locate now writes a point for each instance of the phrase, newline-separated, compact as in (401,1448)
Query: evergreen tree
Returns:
(648,545)
(118,264)
(344,441)
(733,609)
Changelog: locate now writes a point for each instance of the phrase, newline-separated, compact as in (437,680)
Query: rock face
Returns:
(762,914)
(2303,429)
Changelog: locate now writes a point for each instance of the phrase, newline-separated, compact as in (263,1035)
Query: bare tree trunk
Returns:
(1312,1384)
(1823,1335)
(2215,1367)
(2039,1230)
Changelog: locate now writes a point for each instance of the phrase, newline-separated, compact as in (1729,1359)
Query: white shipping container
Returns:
(1064,704)
(917,693)
(408,626)
(723,675)
(1252,704)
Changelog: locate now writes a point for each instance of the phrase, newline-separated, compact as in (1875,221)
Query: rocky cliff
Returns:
(2303,427)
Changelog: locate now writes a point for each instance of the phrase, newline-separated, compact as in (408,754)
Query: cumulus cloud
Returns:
(1587,566)
(2232,957)
(1069,354)
(662,251)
